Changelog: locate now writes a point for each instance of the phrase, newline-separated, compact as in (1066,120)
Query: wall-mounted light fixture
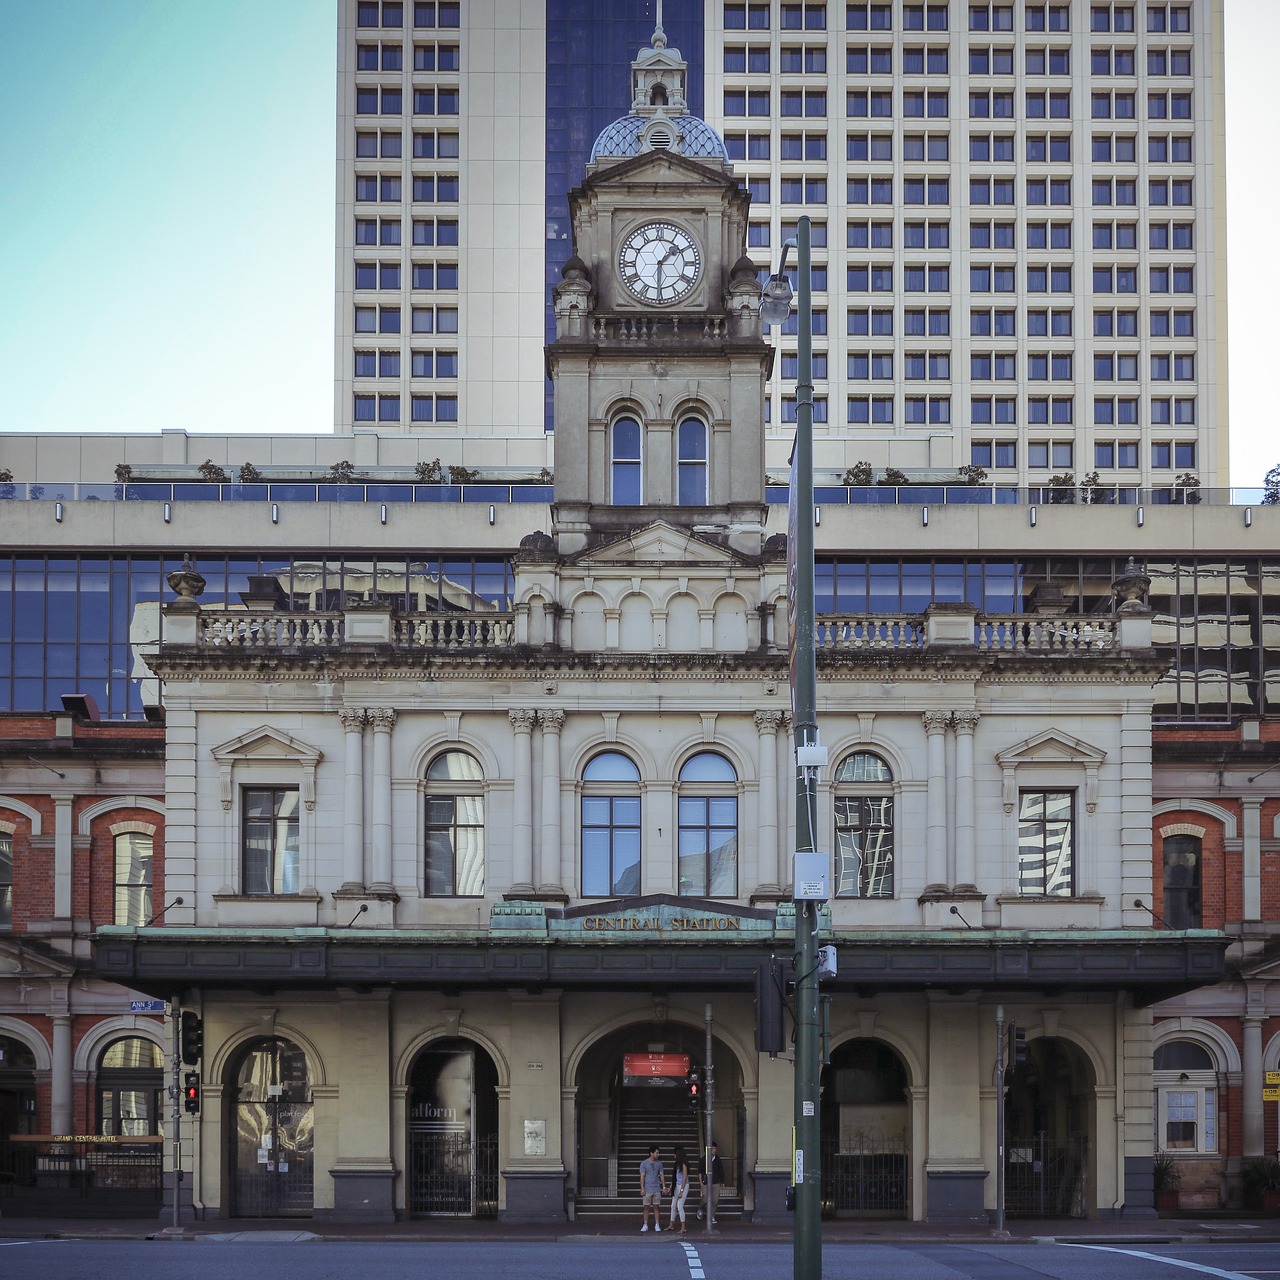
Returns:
(1031,516)
(168,513)
(275,513)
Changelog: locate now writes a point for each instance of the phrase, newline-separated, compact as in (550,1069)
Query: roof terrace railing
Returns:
(910,495)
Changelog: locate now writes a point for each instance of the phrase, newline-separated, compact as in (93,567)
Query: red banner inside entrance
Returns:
(648,1065)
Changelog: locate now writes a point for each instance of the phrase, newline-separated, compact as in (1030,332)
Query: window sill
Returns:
(1050,913)
(284,910)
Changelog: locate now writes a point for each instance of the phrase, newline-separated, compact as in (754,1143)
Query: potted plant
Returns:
(214,474)
(1063,486)
(1271,486)
(972,474)
(1167,1178)
(1260,1177)
(1187,485)
(892,476)
(858,476)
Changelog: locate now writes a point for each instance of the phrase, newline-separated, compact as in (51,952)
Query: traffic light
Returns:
(191,1092)
(693,1083)
(192,1037)
(1017,1046)
(771,1027)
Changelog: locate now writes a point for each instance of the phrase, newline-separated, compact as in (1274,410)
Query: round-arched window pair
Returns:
(626,463)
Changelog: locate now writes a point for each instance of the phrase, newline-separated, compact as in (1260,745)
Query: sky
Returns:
(170,173)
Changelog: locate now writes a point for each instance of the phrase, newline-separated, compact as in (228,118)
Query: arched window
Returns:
(454,855)
(1182,882)
(6,880)
(864,827)
(1186,1097)
(691,463)
(610,827)
(133,878)
(626,487)
(17,1087)
(130,1087)
(708,807)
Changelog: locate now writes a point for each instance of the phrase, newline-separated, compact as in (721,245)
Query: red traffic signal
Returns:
(191,1092)
(693,1084)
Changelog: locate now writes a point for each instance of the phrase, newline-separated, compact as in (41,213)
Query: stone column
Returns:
(62,1111)
(935,726)
(353,722)
(764,873)
(1251,830)
(63,866)
(966,836)
(383,720)
(552,722)
(955,1175)
(522,722)
(1252,1077)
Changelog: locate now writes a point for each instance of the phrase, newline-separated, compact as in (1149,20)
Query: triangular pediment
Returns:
(1051,747)
(659,543)
(1264,971)
(266,743)
(662,168)
(19,960)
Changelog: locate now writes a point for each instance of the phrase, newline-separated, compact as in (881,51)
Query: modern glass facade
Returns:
(76,624)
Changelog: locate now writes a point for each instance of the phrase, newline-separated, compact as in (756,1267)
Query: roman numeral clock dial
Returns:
(659,262)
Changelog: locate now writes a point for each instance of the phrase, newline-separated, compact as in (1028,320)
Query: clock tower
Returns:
(658,363)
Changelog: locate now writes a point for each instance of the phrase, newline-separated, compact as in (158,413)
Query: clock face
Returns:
(660,262)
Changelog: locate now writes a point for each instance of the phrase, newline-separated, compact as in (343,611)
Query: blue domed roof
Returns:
(622,138)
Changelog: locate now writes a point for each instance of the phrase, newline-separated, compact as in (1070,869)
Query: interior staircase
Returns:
(639,1128)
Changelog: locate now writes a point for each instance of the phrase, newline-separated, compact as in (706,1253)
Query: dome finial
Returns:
(659,40)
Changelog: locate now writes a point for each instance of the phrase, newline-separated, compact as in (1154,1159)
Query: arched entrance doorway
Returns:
(866,1132)
(17,1088)
(271,1129)
(631,1093)
(1049,1126)
(453,1131)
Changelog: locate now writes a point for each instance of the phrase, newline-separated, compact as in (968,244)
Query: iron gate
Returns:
(79,1179)
(1045,1177)
(453,1174)
(869,1176)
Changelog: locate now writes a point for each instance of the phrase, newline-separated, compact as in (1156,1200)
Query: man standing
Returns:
(652,1186)
(713,1179)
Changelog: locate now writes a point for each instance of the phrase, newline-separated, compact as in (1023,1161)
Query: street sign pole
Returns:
(175,1092)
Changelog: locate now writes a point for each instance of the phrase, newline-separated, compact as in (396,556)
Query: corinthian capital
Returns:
(770,721)
(551,720)
(966,721)
(383,718)
(522,719)
(936,721)
(353,718)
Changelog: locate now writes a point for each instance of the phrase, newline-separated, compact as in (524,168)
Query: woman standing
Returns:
(679,1189)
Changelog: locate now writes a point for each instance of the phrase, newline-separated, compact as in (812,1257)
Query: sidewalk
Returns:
(1184,1230)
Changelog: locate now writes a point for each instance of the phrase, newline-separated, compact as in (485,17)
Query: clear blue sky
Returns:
(166,217)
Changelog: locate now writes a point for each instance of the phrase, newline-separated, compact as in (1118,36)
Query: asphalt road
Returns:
(651,1258)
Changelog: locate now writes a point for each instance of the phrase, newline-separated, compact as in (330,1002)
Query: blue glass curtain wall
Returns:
(590,47)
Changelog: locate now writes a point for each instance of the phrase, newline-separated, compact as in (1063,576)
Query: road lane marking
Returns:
(3,1243)
(695,1263)
(1156,1257)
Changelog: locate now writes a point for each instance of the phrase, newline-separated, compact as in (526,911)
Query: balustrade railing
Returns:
(834,632)
(675,328)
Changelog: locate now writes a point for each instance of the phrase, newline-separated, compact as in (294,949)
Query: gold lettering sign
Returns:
(678,924)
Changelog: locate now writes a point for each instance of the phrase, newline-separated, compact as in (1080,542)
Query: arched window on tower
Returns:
(691,463)
(1182,882)
(864,827)
(626,488)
